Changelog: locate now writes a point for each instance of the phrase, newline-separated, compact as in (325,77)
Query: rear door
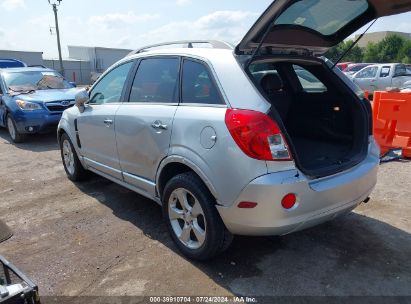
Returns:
(315,25)
(144,122)
(97,123)
(400,75)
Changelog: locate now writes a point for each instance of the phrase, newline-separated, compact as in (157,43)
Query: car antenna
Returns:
(353,44)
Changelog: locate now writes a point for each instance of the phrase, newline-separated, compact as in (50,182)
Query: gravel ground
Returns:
(97,238)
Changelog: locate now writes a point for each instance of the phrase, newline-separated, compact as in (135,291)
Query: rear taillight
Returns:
(257,135)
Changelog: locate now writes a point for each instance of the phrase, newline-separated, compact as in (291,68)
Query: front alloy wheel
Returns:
(68,157)
(72,165)
(15,135)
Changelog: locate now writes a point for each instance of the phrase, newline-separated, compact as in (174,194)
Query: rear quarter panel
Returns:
(225,168)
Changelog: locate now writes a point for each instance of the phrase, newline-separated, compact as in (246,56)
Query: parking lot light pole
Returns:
(54,5)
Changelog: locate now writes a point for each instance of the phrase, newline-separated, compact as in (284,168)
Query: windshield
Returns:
(324,16)
(35,80)
(356,68)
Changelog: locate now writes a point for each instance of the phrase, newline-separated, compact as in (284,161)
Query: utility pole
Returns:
(54,5)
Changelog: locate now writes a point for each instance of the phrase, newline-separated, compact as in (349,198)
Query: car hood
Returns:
(49,95)
(314,25)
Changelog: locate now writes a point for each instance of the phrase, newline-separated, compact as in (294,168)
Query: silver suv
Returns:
(263,139)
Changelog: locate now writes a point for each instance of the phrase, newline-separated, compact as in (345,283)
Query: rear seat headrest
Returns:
(271,83)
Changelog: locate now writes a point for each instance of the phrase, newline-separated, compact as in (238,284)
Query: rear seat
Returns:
(274,88)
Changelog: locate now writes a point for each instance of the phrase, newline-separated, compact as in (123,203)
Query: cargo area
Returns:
(326,124)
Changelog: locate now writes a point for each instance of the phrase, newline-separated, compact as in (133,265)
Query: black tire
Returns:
(217,237)
(77,172)
(14,134)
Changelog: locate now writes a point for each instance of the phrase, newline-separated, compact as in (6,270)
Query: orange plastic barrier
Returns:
(392,121)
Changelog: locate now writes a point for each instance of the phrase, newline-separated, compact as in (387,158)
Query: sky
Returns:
(25,24)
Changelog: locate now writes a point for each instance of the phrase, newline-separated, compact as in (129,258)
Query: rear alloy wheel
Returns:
(15,135)
(192,218)
(187,218)
(72,165)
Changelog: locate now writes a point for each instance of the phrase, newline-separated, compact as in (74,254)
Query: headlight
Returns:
(28,106)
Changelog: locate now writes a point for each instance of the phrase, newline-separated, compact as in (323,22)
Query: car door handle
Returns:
(159,125)
(108,122)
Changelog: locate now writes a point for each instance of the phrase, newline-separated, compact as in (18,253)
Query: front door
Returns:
(366,79)
(96,125)
(144,123)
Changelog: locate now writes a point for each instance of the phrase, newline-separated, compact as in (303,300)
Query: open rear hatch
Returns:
(325,123)
(315,25)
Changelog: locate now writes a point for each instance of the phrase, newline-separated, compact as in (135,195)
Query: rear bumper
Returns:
(318,201)
(40,121)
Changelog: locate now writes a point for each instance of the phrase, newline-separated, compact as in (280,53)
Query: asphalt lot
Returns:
(97,238)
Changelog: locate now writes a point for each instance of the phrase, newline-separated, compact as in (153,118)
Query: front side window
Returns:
(156,81)
(308,81)
(385,71)
(370,72)
(198,86)
(110,87)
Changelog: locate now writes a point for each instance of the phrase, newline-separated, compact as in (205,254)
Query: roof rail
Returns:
(215,44)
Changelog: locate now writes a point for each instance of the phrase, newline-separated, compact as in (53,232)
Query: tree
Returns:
(354,55)
(391,49)
(404,55)
(371,53)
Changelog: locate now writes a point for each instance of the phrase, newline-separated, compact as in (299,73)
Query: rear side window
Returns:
(308,81)
(156,81)
(198,86)
(400,70)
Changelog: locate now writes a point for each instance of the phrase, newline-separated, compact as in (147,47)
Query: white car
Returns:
(379,77)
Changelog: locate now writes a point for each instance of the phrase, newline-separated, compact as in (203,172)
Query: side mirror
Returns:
(81,99)
(73,84)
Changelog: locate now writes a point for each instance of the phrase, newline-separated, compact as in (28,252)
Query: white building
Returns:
(100,58)
(30,58)
(83,62)
(77,71)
